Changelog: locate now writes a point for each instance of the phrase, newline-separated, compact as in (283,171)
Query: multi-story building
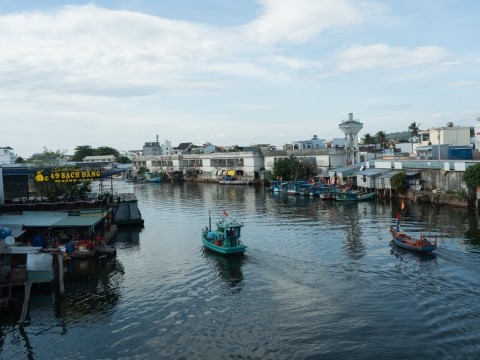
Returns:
(436,143)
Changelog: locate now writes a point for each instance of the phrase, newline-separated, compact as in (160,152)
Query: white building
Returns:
(99,159)
(477,134)
(448,135)
(314,143)
(6,155)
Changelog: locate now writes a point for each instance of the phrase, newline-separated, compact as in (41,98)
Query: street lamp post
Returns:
(439,149)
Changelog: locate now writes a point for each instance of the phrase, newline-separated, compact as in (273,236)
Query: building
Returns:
(444,143)
(183,148)
(154,148)
(6,155)
(313,143)
(102,159)
(450,134)
(477,134)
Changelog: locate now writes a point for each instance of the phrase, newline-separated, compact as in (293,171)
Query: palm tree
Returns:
(368,139)
(414,128)
(381,138)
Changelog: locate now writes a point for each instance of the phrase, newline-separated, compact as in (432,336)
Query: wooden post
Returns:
(61,286)
(28,287)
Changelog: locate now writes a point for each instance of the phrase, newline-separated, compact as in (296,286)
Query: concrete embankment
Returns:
(435,198)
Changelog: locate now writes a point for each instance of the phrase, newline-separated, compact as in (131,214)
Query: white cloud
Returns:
(99,52)
(463,83)
(300,20)
(385,56)
(85,67)
(297,63)
(92,50)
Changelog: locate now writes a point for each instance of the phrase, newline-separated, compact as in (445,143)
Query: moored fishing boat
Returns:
(350,195)
(232,180)
(327,196)
(279,187)
(225,240)
(152,177)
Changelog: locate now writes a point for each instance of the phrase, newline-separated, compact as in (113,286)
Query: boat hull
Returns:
(356,197)
(406,242)
(234,182)
(421,249)
(223,250)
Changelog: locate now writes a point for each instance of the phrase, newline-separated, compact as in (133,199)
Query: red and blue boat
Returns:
(422,244)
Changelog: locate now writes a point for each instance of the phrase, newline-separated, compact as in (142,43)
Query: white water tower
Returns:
(351,129)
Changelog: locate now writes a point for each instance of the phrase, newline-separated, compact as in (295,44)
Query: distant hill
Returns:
(403,135)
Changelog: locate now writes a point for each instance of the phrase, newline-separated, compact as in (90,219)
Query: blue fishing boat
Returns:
(296,187)
(350,195)
(278,187)
(225,240)
(233,180)
(152,177)
(422,244)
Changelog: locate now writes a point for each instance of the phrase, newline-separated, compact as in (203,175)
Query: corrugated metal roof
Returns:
(79,221)
(388,174)
(372,172)
(52,219)
(344,171)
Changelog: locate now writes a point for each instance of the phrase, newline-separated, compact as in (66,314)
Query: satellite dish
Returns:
(10,240)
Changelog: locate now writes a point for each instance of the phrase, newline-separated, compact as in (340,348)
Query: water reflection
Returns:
(472,234)
(227,269)
(411,261)
(129,237)
(353,243)
(93,288)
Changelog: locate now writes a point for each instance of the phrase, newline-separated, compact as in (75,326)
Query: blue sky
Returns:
(118,73)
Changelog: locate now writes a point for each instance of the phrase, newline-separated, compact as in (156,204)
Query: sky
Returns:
(119,73)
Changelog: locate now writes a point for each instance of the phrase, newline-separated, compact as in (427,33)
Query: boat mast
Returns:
(209,221)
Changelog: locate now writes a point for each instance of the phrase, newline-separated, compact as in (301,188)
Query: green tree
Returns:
(368,139)
(398,182)
(49,158)
(471,176)
(382,139)
(105,150)
(81,152)
(292,168)
(19,160)
(414,128)
(142,170)
(123,160)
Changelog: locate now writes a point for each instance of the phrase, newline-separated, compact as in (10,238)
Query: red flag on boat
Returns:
(225,213)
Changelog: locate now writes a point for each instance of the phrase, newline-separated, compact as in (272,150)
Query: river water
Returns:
(319,280)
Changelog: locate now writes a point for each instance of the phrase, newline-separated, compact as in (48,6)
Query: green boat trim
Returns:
(353,196)
(225,240)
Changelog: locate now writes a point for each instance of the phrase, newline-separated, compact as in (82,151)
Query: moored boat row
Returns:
(320,190)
